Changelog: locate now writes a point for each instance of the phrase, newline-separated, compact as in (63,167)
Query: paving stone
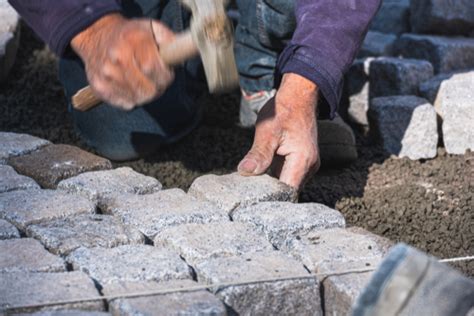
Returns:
(13,144)
(129,263)
(26,254)
(337,144)
(9,38)
(75,312)
(429,89)
(232,190)
(395,76)
(377,44)
(282,221)
(96,185)
(21,289)
(195,242)
(299,296)
(357,86)
(8,231)
(62,236)
(10,180)
(199,302)
(392,17)
(53,163)
(26,207)
(442,17)
(152,213)
(444,53)
(405,125)
(455,103)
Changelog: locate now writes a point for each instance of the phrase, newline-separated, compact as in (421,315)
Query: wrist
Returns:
(297,91)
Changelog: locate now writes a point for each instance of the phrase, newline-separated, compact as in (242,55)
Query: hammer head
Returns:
(213,35)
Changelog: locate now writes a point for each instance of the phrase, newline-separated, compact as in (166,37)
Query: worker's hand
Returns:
(286,134)
(122,59)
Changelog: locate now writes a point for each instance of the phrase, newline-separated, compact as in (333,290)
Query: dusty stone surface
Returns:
(13,144)
(392,17)
(199,302)
(377,44)
(357,86)
(28,255)
(444,53)
(455,103)
(152,213)
(129,263)
(9,38)
(10,180)
(195,242)
(396,76)
(232,190)
(8,231)
(53,163)
(288,297)
(20,289)
(442,17)
(429,89)
(282,221)
(62,236)
(336,142)
(405,125)
(96,185)
(26,207)
(71,312)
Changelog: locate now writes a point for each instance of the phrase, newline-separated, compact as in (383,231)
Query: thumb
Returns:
(260,157)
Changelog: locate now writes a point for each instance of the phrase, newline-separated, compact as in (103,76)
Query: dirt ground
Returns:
(428,204)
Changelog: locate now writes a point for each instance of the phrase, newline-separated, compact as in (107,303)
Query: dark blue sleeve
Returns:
(327,38)
(58,21)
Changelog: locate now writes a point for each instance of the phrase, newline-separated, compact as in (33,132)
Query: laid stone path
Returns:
(84,230)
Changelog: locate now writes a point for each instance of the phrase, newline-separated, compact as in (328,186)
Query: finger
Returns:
(295,169)
(260,156)
(161,32)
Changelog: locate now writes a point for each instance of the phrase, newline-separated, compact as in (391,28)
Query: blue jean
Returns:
(262,31)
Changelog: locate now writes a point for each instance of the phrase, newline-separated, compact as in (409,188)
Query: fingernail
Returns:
(247,166)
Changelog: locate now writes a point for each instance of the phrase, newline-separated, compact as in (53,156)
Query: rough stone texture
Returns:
(298,296)
(13,144)
(336,142)
(396,76)
(129,263)
(392,17)
(406,126)
(152,213)
(232,190)
(72,312)
(456,105)
(196,242)
(429,89)
(444,53)
(96,185)
(282,221)
(53,163)
(357,86)
(9,38)
(442,17)
(26,207)
(10,180)
(8,231)
(20,289)
(377,44)
(199,302)
(62,236)
(28,255)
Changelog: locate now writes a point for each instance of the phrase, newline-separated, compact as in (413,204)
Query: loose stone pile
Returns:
(417,48)
(76,230)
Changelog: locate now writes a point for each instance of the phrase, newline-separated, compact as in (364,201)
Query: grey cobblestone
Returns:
(26,207)
(28,255)
(53,163)
(131,263)
(71,312)
(13,144)
(195,242)
(298,296)
(10,180)
(377,44)
(392,17)
(62,236)
(283,221)
(232,190)
(8,231)
(357,85)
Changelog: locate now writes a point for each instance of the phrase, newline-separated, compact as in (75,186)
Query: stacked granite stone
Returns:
(417,53)
(77,235)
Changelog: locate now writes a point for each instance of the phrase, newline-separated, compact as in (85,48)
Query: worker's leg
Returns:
(121,135)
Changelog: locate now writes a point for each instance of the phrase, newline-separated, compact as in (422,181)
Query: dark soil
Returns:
(428,204)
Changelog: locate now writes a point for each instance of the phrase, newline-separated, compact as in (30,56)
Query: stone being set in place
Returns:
(9,38)
(64,235)
(151,213)
(132,263)
(10,180)
(53,163)
(282,221)
(26,207)
(8,231)
(13,144)
(298,296)
(405,125)
(195,242)
(377,44)
(232,190)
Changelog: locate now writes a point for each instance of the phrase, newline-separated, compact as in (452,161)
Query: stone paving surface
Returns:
(8,231)
(10,180)
(13,144)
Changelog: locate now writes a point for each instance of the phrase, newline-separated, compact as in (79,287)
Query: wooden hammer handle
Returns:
(172,54)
